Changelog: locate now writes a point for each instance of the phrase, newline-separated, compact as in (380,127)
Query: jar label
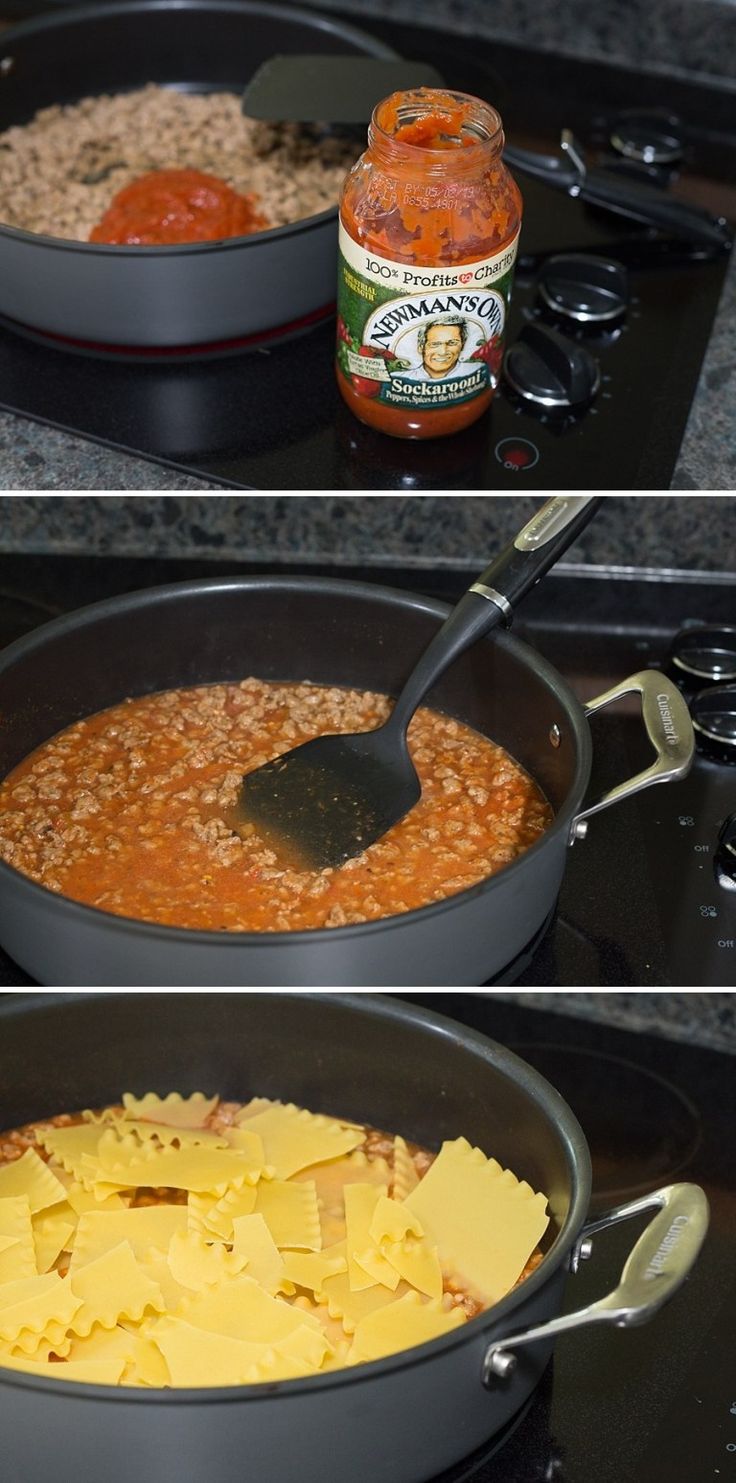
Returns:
(412,336)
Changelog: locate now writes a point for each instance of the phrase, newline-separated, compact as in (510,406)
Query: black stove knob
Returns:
(724,861)
(703,655)
(583,287)
(713,714)
(648,136)
(549,372)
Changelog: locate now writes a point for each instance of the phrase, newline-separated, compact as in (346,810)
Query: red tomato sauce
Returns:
(440,129)
(170,206)
(430,191)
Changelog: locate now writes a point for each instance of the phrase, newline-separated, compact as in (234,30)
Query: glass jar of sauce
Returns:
(429,227)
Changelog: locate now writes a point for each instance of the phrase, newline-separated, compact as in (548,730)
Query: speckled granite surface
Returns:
(659,531)
(707,458)
(33,456)
(688,37)
(674,36)
(701,1019)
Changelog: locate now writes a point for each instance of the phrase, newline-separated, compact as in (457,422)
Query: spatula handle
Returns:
(536,548)
(493,598)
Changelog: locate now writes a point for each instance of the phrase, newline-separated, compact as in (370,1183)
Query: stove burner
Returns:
(173,354)
(648,136)
(473,1467)
(19,616)
(584,287)
(520,963)
(641,1130)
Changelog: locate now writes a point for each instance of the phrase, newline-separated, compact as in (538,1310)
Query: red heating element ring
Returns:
(177,352)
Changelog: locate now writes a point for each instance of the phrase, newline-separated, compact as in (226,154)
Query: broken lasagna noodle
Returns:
(187,1241)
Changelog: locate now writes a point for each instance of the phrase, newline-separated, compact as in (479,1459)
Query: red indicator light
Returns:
(517,454)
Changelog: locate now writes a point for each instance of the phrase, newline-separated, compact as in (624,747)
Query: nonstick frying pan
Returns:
(329,632)
(404,1419)
(199,293)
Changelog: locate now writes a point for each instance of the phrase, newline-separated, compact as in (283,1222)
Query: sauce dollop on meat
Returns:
(165,207)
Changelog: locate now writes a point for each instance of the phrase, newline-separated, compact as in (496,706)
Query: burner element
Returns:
(173,354)
(18,615)
(648,136)
(713,715)
(549,372)
(702,655)
(533,1443)
(584,287)
(641,1130)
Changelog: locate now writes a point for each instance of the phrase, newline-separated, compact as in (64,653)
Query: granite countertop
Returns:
(682,39)
(707,458)
(700,1019)
(648,534)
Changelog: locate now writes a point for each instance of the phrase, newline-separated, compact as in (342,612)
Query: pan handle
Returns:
(657,1266)
(669,728)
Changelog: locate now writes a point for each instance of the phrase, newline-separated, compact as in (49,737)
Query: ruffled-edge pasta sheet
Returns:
(157,1243)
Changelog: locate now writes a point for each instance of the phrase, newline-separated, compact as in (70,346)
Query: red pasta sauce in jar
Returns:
(429,227)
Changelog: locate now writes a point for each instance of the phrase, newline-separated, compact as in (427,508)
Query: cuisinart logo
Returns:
(666,1247)
(663,701)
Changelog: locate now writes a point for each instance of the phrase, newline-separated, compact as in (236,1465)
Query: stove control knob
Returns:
(551,373)
(713,714)
(588,289)
(724,862)
(648,136)
(703,655)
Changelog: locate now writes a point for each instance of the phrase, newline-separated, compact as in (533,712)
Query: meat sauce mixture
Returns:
(127,811)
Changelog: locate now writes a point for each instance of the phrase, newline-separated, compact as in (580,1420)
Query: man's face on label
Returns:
(442,348)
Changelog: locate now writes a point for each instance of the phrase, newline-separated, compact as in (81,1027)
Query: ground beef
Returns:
(59,172)
(132,811)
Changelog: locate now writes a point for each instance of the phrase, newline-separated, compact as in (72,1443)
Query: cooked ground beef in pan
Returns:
(128,811)
(60,171)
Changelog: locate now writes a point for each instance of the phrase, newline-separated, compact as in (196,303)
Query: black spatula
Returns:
(331,798)
(345,89)
(312,88)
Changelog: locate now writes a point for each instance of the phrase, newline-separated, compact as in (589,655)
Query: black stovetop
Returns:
(655,1404)
(271,418)
(640,903)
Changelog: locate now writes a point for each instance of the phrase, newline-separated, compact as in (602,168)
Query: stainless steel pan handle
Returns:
(669,728)
(657,1266)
